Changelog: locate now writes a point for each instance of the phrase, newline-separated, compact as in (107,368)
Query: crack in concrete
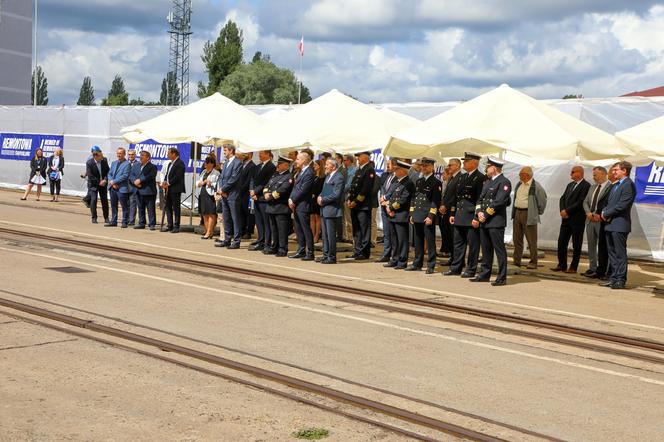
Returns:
(17,347)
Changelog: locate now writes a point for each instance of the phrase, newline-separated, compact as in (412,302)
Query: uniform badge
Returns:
(490,211)
(290,181)
(505,187)
(371,175)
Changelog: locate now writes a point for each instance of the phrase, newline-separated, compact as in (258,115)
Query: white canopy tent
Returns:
(211,120)
(645,139)
(331,122)
(505,120)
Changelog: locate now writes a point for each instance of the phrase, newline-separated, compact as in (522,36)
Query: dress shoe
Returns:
(353,256)
(478,279)
(390,264)
(110,225)
(94,221)
(269,252)
(413,269)
(497,283)
(281,254)
(430,271)
(124,226)
(175,230)
(570,271)
(618,286)
(222,244)
(589,274)
(139,227)
(361,258)
(152,228)
(467,275)
(320,259)
(297,256)
(308,258)
(234,246)
(257,247)
(166,229)
(557,269)
(451,273)
(532,266)
(253,243)
(383,259)
(131,224)
(329,261)
(218,240)
(606,283)
(400,267)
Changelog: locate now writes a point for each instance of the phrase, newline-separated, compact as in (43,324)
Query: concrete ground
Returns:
(562,393)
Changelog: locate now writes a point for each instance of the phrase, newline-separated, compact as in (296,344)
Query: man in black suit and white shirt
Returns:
(262,174)
(96,171)
(573,221)
(173,186)
(448,200)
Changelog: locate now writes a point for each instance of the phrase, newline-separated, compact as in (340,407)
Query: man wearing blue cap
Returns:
(96,171)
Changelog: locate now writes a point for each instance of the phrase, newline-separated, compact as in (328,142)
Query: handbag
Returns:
(54,175)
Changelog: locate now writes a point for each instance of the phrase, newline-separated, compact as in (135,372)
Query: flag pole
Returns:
(299,84)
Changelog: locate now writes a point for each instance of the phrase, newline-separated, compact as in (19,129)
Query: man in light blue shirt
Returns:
(118,187)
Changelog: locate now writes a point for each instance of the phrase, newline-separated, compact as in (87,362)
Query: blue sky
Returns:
(376,50)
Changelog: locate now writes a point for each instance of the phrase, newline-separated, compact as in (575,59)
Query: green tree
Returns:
(117,95)
(86,96)
(42,87)
(170,92)
(571,97)
(221,58)
(258,56)
(262,82)
(137,102)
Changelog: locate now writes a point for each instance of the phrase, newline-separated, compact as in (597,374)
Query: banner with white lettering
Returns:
(379,160)
(650,184)
(23,146)
(159,153)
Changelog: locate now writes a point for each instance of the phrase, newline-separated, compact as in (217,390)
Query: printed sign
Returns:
(379,160)
(159,153)
(650,184)
(23,146)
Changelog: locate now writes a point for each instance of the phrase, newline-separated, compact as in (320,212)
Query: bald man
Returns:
(573,221)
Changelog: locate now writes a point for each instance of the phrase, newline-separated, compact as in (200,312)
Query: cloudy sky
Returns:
(376,50)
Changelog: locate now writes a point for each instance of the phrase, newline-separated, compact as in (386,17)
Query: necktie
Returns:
(168,169)
(389,182)
(593,203)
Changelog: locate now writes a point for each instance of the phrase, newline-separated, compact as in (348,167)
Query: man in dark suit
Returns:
(341,168)
(491,218)
(146,186)
(96,171)
(387,179)
(462,211)
(228,187)
(591,202)
(397,204)
(330,201)
(617,215)
(300,203)
(173,186)
(248,218)
(447,202)
(262,174)
(423,210)
(603,271)
(276,193)
(134,172)
(573,221)
(359,203)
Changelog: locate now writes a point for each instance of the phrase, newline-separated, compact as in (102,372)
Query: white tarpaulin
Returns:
(332,122)
(211,120)
(505,120)
(646,139)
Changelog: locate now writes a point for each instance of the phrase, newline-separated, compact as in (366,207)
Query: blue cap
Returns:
(95,149)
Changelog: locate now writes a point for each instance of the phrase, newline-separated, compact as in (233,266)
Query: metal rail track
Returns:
(292,382)
(579,332)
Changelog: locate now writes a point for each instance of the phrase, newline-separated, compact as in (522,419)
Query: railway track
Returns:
(593,340)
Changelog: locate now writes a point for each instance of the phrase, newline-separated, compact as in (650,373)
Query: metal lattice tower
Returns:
(179,21)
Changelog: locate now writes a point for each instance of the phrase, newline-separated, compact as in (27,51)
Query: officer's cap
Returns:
(366,152)
(470,156)
(403,164)
(283,159)
(494,162)
(427,160)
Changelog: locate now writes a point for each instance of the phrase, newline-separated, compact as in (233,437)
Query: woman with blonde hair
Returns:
(37,174)
(56,166)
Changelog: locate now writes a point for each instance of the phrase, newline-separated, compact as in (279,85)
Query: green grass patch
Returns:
(311,433)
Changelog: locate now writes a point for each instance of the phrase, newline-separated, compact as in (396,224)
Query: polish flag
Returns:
(300,47)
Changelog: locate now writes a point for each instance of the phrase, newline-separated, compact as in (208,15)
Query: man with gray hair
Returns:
(529,204)
(591,208)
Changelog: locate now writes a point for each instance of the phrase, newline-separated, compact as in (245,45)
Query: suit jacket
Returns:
(332,196)
(588,200)
(469,189)
(262,174)
(493,202)
(134,173)
(619,206)
(449,195)
(61,165)
(92,172)
(303,190)
(361,188)
(246,174)
(119,175)
(230,182)
(148,177)
(572,202)
(426,199)
(38,166)
(398,199)
(175,176)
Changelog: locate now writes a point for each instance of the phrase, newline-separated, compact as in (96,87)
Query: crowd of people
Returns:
(336,199)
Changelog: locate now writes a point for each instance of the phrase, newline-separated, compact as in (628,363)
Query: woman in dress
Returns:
(37,174)
(56,166)
(207,206)
(319,171)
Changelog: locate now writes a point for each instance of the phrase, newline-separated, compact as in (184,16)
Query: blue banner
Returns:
(23,146)
(379,160)
(650,184)
(159,153)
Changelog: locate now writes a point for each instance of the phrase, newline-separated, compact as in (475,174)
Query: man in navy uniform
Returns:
(491,218)
(300,203)
(276,194)
(617,215)
(359,203)
(397,205)
(146,185)
(228,187)
(330,201)
(463,212)
(262,175)
(423,209)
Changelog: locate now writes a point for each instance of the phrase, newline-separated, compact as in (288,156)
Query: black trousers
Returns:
(447,235)
(575,232)
(493,240)
(329,227)
(305,237)
(400,245)
(172,208)
(602,253)
(103,196)
(146,202)
(423,233)
(248,218)
(55,186)
(232,213)
(470,237)
(262,223)
(361,220)
(279,228)
(617,246)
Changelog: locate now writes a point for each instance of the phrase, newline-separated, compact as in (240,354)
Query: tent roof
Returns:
(645,139)
(333,122)
(214,119)
(505,120)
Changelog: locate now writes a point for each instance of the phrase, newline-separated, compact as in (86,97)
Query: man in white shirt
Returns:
(590,207)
